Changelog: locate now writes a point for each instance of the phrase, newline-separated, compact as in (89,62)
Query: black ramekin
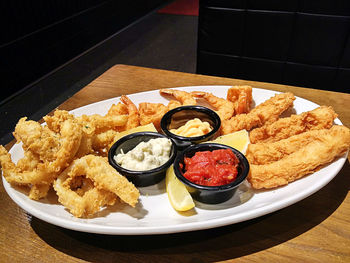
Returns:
(211,194)
(177,117)
(140,178)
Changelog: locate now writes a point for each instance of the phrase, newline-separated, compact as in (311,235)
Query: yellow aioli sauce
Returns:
(193,128)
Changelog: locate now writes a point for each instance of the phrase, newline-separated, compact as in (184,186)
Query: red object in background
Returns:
(182,7)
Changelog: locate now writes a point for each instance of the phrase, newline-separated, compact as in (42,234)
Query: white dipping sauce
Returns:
(146,155)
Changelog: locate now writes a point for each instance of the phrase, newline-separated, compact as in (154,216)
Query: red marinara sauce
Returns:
(212,168)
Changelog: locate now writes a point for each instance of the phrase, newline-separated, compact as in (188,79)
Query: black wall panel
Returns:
(296,42)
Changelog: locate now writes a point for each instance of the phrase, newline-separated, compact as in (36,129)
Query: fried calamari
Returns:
(50,148)
(90,183)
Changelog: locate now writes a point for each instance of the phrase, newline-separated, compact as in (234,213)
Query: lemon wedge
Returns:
(178,195)
(238,140)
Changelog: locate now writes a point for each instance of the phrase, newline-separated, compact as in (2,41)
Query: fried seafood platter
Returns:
(58,171)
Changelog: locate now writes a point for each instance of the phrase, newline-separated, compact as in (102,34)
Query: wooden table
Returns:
(316,229)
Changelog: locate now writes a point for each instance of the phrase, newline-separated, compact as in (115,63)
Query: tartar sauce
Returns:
(192,128)
(146,155)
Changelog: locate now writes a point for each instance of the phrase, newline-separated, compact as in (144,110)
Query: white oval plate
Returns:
(154,214)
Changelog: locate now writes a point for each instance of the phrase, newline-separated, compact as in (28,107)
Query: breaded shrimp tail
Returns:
(329,145)
(267,111)
(241,96)
(319,118)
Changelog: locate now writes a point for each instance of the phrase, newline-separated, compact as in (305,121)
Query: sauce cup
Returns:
(140,178)
(211,194)
(178,117)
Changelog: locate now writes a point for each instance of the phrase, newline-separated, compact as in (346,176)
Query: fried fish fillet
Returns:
(267,111)
(323,150)
(319,118)
(268,152)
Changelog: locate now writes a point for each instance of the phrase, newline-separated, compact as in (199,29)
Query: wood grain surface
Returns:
(316,229)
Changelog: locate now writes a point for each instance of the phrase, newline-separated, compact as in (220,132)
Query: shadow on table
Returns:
(211,245)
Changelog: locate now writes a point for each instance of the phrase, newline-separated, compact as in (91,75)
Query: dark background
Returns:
(38,36)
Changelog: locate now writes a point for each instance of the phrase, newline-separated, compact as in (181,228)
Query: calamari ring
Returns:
(55,121)
(55,149)
(102,123)
(108,184)
(46,153)
(82,205)
(71,134)
(39,191)
(14,174)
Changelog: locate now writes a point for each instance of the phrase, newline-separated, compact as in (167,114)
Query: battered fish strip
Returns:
(319,118)
(304,161)
(265,153)
(267,111)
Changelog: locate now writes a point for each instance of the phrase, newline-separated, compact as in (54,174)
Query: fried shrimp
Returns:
(127,107)
(319,118)
(133,114)
(224,108)
(101,139)
(173,104)
(268,111)
(152,113)
(306,160)
(103,184)
(185,98)
(117,109)
(241,97)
